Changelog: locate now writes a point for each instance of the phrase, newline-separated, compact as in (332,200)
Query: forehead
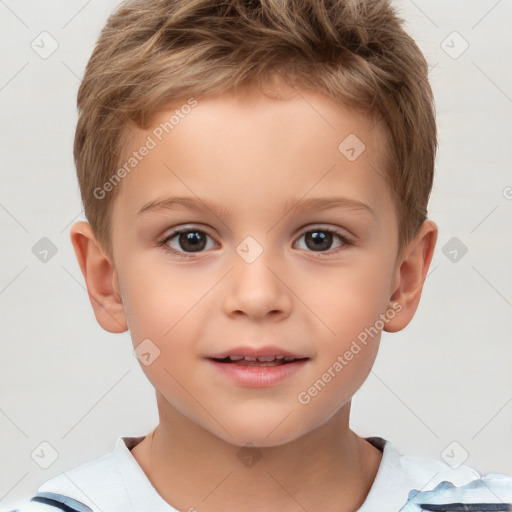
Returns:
(251,152)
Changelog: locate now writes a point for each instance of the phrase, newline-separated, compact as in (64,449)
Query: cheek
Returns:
(349,299)
(167,312)
(158,299)
(351,305)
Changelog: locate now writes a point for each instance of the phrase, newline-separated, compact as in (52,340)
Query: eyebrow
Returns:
(318,204)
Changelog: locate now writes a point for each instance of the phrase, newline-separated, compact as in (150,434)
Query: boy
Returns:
(292,145)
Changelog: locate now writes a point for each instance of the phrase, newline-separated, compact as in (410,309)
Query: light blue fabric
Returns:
(490,493)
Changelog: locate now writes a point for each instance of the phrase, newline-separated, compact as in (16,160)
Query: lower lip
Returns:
(258,376)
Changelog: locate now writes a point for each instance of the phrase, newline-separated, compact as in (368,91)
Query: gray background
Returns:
(446,378)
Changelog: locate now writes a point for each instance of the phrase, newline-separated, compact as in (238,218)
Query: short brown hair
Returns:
(152,53)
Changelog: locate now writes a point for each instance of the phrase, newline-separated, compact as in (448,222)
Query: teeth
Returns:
(262,359)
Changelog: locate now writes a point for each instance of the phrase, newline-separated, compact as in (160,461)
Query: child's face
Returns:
(245,161)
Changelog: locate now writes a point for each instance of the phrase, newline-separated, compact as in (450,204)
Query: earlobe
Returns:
(100,278)
(411,272)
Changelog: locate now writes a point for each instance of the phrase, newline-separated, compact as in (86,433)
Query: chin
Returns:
(262,434)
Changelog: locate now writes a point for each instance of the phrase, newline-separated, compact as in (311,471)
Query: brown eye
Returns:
(192,241)
(318,240)
(185,241)
(322,239)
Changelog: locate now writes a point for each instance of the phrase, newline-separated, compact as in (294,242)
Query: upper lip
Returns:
(248,351)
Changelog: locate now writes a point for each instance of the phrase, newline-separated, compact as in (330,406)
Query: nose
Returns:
(257,290)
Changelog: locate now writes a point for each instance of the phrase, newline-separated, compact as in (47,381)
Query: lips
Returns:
(259,370)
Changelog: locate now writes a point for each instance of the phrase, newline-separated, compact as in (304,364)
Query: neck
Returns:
(329,468)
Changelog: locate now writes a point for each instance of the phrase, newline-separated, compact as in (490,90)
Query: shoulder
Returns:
(437,486)
(409,484)
(50,502)
(424,472)
(493,492)
(94,486)
(429,472)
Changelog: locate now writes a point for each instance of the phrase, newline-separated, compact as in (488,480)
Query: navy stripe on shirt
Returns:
(467,507)
(60,502)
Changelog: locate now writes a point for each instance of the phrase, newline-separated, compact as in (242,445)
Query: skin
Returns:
(252,154)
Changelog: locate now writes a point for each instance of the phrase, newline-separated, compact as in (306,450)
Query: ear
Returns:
(410,274)
(100,278)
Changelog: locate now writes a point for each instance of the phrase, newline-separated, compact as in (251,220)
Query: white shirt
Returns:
(116,483)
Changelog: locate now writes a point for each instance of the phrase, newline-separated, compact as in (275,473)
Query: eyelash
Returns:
(163,243)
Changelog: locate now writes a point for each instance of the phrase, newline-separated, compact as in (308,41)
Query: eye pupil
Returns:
(194,240)
(320,240)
